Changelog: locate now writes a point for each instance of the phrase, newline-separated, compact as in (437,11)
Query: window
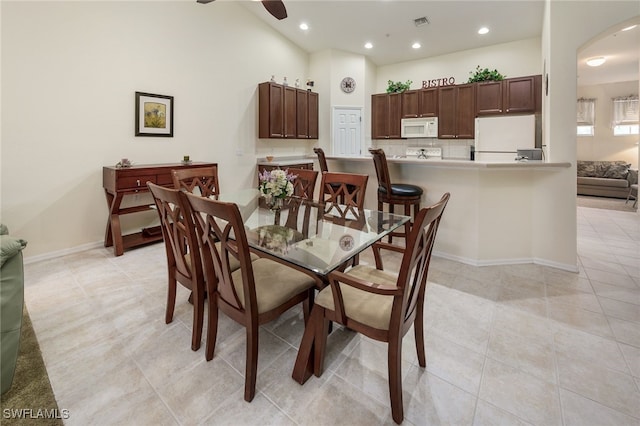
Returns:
(586,116)
(626,118)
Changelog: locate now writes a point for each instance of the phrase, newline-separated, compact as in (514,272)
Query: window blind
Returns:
(586,112)
(625,111)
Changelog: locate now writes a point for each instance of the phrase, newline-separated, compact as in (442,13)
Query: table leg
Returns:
(113,233)
(303,368)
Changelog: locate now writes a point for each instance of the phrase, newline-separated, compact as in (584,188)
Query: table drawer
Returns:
(135,182)
(165,179)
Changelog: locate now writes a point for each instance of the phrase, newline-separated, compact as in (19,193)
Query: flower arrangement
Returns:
(276,184)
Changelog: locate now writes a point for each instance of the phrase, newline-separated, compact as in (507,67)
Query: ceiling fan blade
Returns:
(275,7)
(204,1)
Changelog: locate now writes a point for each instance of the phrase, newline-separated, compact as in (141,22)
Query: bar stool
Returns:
(322,160)
(395,193)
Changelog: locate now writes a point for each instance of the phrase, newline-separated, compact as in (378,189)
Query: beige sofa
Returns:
(605,178)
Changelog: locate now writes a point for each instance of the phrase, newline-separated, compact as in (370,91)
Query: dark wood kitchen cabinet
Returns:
(520,95)
(386,113)
(420,103)
(278,115)
(456,112)
(307,114)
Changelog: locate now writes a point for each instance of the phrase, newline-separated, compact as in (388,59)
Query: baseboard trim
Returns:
(59,253)
(502,262)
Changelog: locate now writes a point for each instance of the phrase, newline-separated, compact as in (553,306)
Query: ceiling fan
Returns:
(274,7)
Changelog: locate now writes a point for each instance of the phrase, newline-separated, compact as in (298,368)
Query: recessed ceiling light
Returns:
(629,27)
(416,45)
(368,45)
(304,26)
(596,62)
(483,30)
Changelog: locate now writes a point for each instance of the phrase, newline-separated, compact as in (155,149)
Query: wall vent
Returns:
(421,21)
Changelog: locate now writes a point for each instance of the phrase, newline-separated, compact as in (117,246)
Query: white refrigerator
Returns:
(498,138)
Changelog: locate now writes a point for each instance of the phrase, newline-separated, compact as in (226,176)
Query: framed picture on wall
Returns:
(154,115)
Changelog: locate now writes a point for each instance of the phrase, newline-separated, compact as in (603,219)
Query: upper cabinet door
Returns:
(380,116)
(489,98)
(271,110)
(290,112)
(302,114)
(410,104)
(519,95)
(428,102)
(420,103)
(447,112)
(466,111)
(312,105)
(395,115)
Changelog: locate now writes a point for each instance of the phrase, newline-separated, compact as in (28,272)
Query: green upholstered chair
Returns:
(11,303)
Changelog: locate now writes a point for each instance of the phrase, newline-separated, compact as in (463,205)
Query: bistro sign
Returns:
(437,82)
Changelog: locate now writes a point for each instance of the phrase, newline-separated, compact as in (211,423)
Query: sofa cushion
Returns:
(617,171)
(603,169)
(3,229)
(615,183)
(632,177)
(9,247)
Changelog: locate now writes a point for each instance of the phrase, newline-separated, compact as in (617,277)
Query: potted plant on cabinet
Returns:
(485,75)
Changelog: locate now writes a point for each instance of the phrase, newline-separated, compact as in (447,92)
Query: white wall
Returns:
(69,73)
(515,59)
(567,26)
(604,145)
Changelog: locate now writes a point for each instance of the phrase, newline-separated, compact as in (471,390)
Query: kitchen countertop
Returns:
(464,164)
(285,161)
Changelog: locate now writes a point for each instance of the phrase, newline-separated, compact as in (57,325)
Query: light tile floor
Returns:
(510,345)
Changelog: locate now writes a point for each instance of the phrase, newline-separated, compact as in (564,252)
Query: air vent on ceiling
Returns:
(421,21)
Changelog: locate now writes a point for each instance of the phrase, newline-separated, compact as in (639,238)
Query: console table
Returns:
(117,183)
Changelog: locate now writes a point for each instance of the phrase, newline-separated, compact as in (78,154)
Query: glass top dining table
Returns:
(318,237)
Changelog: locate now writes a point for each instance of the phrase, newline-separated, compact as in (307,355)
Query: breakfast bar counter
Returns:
(499,213)
(459,163)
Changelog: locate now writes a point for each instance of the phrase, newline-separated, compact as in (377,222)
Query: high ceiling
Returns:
(453,26)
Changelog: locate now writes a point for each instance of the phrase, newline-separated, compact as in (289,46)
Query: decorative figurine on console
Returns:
(123,163)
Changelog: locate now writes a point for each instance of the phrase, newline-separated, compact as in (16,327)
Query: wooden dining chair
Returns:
(184,264)
(344,188)
(377,304)
(257,293)
(304,183)
(197,180)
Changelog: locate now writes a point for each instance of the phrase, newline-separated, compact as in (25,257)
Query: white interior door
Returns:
(347,131)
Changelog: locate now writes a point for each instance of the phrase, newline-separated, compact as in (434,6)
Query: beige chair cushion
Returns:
(370,309)
(275,283)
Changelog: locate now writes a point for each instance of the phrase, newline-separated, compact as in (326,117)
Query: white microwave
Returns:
(424,127)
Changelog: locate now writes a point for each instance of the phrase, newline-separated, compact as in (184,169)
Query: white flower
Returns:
(276,183)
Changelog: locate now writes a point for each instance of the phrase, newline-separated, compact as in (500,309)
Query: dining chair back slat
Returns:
(197,180)
(304,183)
(344,188)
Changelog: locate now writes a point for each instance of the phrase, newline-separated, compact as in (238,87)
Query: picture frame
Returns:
(154,115)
